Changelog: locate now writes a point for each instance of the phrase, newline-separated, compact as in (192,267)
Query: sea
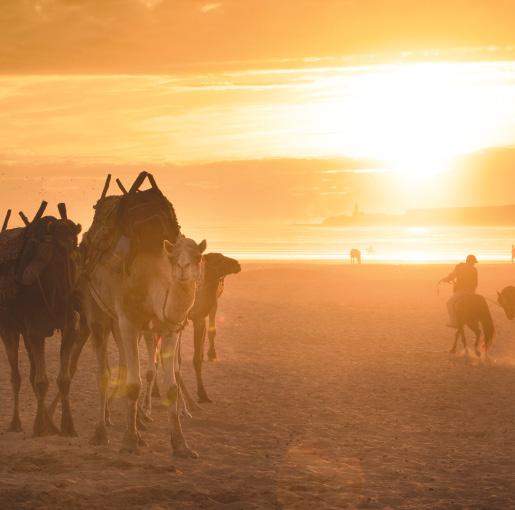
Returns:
(381,244)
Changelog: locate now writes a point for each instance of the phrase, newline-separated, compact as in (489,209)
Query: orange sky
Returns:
(163,36)
(403,87)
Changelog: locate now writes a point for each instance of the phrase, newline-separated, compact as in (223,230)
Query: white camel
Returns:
(159,289)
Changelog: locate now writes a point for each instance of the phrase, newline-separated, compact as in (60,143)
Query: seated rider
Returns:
(464,279)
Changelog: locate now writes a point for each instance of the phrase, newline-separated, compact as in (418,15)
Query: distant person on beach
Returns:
(464,280)
(355,256)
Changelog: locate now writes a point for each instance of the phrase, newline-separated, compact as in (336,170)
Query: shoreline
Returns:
(346,262)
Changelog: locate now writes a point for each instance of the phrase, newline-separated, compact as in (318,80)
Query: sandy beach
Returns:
(334,388)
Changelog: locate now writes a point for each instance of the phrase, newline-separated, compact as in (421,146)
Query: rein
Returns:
(486,298)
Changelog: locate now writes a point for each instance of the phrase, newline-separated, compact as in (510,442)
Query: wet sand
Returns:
(334,388)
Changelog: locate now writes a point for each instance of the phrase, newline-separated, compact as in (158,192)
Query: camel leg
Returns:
(64,380)
(127,336)
(12,346)
(150,344)
(43,424)
(99,338)
(169,357)
(76,350)
(121,387)
(199,338)
(156,392)
(211,332)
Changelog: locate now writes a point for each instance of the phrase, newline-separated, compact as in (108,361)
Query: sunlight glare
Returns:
(414,118)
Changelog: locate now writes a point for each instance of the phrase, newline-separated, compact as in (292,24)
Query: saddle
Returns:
(126,224)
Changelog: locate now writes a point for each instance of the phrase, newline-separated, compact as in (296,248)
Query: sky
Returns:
(327,102)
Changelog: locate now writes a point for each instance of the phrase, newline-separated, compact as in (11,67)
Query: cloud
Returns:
(162,36)
(212,6)
(151,4)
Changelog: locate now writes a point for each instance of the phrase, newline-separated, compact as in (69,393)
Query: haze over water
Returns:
(383,244)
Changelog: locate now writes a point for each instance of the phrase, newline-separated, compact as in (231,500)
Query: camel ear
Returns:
(202,246)
(78,228)
(168,247)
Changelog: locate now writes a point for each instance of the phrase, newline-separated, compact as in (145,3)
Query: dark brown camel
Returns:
(216,268)
(41,299)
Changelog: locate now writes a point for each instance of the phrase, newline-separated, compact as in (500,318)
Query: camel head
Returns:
(184,257)
(218,266)
(64,233)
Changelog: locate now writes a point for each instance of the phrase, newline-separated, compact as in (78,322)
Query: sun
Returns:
(413,118)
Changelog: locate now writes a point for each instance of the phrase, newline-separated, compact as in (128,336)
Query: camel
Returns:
(355,256)
(146,276)
(472,310)
(45,274)
(216,268)
(506,300)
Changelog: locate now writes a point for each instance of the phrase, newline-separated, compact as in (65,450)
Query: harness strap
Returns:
(164,304)
(44,296)
(99,302)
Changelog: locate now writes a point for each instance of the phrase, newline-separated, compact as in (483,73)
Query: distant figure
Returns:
(464,280)
(355,256)
(371,250)
(512,253)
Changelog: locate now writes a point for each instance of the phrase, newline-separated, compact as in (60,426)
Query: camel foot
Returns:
(131,442)
(109,423)
(184,452)
(15,425)
(100,436)
(204,399)
(211,355)
(44,426)
(453,350)
(478,353)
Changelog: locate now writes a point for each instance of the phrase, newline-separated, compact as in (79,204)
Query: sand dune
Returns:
(334,389)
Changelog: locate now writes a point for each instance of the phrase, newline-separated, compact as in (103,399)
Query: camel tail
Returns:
(487,324)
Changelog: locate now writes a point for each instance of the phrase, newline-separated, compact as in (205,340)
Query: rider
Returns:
(464,279)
